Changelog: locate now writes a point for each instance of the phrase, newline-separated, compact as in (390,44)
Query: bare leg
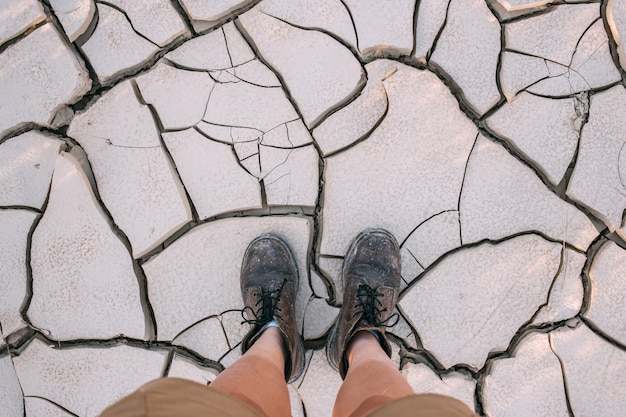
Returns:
(372,379)
(258,377)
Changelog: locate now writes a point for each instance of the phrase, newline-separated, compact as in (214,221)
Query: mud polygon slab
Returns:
(136,179)
(616,18)
(15,226)
(318,71)
(26,165)
(409,169)
(330,16)
(550,140)
(359,118)
(114,46)
(454,384)
(185,368)
(17,16)
(320,381)
(468,52)
(495,297)
(34,82)
(11,399)
(529,383)
(206,263)
(93,377)
(599,177)
(502,197)
(607,306)
(594,370)
(157,20)
(179,97)
(75,16)
(566,295)
(214,180)
(382,24)
(290,176)
(84,284)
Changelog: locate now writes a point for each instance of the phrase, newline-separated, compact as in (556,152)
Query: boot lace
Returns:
(369,307)
(266,307)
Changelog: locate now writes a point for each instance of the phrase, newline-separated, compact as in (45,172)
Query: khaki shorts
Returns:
(174,397)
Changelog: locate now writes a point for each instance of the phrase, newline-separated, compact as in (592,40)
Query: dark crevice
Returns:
(590,91)
(25,208)
(356,33)
(316,241)
(602,334)
(432,216)
(183,67)
(306,369)
(28,296)
(21,35)
(230,58)
(456,91)
(197,358)
(54,404)
(502,100)
(431,51)
(341,41)
(458,206)
(163,146)
(168,364)
(481,378)
(184,16)
(525,14)
(416,260)
(582,106)
(290,211)
(416,8)
(212,316)
(568,403)
(559,270)
(592,251)
(613,46)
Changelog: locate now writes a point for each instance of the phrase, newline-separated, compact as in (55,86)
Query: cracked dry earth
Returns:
(144,144)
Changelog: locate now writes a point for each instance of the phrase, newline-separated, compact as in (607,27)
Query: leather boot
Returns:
(371,279)
(269,283)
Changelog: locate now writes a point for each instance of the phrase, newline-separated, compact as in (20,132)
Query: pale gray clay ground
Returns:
(145,143)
